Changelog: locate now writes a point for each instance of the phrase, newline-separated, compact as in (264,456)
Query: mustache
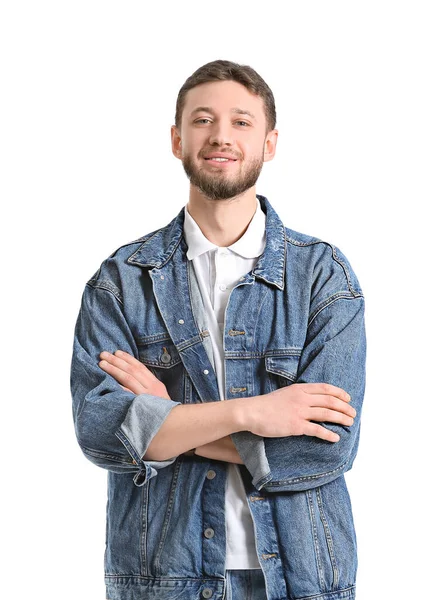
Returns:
(228,152)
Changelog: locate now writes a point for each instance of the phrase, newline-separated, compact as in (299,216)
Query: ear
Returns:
(176,142)
(270,145)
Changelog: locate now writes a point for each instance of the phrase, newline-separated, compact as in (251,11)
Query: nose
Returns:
(221,134)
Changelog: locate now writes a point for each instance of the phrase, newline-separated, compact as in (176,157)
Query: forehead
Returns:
(224,96)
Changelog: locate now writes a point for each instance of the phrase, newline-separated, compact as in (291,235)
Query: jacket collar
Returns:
(160,247)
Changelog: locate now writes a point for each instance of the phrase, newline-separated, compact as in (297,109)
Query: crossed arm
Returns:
(134,377)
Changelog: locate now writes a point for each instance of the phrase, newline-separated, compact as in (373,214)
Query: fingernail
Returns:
(104,353)
(102,363)
(336,437)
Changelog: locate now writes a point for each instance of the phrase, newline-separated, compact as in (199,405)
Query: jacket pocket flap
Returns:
(159,353)
(285,366)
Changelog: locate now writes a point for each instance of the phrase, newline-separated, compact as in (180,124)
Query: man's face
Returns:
(222,118)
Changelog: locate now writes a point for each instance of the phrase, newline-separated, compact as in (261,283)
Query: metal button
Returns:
(222,287)
(181,321)
(210,474)
(207,593)
(165,357)
(209,533)
(206,371)
(162,276)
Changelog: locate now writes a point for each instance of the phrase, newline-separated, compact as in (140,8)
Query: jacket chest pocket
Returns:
(159,354)
(281,370)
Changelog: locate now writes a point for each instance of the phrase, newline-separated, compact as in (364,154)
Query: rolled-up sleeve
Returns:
(113,427)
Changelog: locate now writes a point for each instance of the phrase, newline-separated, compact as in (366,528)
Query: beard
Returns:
(219,185)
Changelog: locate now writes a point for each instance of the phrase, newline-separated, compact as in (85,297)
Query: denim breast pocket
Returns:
(281,369)
(159,354)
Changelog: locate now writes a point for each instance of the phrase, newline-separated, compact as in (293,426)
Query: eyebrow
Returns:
(208,109)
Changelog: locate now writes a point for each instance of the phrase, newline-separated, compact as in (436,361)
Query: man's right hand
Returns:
(294,410)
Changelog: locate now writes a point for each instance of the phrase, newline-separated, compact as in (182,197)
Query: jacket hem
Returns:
(135,587)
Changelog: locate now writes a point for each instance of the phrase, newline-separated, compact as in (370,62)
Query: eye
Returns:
(243,122)
(202,119)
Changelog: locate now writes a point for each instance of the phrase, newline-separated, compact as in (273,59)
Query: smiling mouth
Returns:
(220,161)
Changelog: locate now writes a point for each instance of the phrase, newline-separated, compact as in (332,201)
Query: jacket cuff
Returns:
(251,448)
(143,420)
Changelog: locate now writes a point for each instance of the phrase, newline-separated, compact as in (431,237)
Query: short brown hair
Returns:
(225,70)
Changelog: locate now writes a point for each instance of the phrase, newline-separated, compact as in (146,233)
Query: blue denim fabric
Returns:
(247,584)
(298,316)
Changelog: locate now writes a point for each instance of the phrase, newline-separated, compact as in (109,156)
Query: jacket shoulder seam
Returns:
(106,284)
(335,257)
(330,300)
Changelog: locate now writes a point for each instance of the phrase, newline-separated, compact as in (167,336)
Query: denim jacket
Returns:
(297,317)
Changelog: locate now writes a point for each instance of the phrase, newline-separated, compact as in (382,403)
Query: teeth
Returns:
(219,159)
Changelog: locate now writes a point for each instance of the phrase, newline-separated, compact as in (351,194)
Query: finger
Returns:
(129,358)
(329,416)
(134,368)
(326,388)
(126,389)
(125,379)
(314,430)
(332,402)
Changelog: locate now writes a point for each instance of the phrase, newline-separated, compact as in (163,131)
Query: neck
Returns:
(223,222)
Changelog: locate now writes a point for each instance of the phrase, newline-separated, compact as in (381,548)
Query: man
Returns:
(214,364)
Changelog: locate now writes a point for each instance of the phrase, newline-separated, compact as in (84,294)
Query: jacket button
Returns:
(209,533)
(207,593)
(165,357)
(210,474)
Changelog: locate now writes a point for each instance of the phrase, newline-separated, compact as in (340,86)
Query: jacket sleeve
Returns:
(113,427)
(334,352)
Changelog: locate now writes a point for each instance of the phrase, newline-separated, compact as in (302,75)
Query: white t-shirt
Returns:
(218,270)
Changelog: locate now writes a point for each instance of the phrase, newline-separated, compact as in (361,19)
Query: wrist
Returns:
(244,413)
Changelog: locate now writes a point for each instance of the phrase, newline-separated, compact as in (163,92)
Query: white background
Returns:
(88,93)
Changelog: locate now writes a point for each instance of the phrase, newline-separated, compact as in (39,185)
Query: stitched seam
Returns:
(155,337)
(315,539)
(131,259)
(308,477)
(334,257)
(344,267)
(328,539)
(106,285)
(331,300)
(129,447)
(167,520)
(229,355)
(144,528)
(140,579)
(267,353)
(98,454)
(148,362)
